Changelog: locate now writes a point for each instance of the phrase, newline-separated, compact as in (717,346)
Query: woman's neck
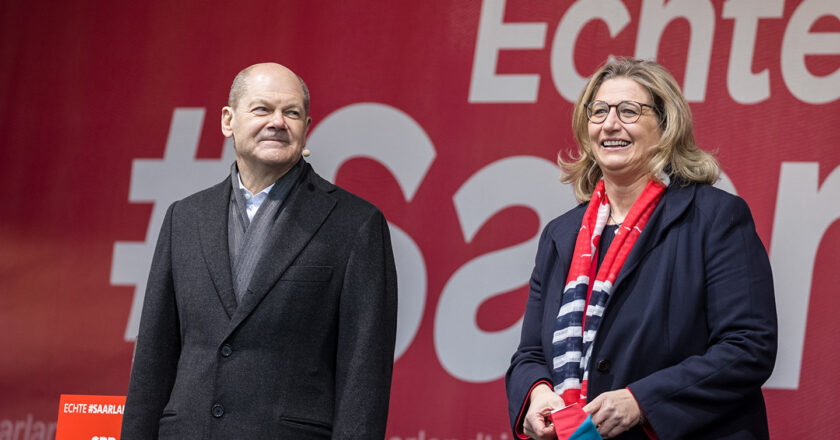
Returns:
(623,195)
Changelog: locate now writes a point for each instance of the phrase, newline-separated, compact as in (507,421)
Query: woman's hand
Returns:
(537,423)
(614,412)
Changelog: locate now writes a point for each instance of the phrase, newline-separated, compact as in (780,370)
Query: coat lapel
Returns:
(213,234)
(673,204)
(564,245)
(306,208)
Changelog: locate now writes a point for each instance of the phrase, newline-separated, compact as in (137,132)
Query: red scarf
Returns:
(581,312)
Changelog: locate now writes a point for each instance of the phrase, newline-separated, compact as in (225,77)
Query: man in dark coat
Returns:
(270,310)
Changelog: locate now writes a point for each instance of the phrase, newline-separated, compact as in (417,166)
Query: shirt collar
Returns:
(245,191)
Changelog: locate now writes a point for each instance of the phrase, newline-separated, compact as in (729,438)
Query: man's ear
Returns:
(308,124)
(227,121)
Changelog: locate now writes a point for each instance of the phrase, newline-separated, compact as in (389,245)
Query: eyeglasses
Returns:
(628,111)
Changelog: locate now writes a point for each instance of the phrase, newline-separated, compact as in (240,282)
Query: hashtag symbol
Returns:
(162,182)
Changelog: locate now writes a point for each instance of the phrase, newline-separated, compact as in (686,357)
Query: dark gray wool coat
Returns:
(307,353)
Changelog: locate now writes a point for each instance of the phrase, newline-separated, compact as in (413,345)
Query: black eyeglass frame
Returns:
(617,113)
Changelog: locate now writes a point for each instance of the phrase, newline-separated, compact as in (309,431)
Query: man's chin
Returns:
(275,158)
(280,161)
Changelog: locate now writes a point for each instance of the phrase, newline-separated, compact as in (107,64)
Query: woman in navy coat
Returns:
(651,304)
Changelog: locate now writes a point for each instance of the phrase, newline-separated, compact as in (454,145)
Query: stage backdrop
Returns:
(449,116)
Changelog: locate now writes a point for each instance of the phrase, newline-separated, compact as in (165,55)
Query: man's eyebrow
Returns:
(258,101)
(265,101)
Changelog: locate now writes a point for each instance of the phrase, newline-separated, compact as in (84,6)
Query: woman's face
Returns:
(623,150)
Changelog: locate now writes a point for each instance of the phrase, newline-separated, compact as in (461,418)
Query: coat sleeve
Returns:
(741,320)
(157,348)
(528,365)
(366,334)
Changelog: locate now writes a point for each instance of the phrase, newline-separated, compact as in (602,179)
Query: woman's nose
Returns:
(612,122)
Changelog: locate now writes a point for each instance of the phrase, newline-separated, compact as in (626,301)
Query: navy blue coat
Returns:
(690,327)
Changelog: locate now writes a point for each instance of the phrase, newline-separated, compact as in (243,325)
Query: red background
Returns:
(87,87)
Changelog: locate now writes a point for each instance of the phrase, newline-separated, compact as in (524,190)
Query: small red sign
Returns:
(82,417)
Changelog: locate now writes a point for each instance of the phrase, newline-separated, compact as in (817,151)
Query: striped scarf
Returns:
(581,312)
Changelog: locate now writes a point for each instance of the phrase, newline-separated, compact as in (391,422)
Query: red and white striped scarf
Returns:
(581,312)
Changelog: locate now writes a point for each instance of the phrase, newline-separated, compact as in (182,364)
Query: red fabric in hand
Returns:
(567,420)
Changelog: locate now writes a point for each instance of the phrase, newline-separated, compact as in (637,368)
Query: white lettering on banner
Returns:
(744,86)
(804,211)
(101,408)
(799,42)
(27,429)
(726,184)
(395,140)
(566,78)
(655,16)
(466,351)
(162,182)
(75,408)
(494,34)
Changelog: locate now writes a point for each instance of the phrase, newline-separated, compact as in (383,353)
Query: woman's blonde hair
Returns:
(676,153)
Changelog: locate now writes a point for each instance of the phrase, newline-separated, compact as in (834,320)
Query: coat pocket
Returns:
(320,429)
(168,424)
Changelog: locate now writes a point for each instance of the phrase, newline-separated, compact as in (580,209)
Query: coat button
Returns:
(218,411)
(226,350)
(604,365)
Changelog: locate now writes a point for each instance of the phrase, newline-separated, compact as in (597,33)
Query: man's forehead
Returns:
(272,85)
(284,99)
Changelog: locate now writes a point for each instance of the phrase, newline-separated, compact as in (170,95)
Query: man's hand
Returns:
(537,423)
(614,412)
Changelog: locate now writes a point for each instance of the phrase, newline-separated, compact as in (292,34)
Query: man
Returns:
(271,305)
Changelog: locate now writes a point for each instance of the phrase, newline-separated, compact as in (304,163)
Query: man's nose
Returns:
(278,121)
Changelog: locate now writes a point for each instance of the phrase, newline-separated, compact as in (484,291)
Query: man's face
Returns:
(269,123)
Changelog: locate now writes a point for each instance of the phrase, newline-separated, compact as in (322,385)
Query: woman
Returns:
(671,332)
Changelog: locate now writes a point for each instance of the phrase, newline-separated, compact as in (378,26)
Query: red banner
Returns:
(89,417)
(447,115)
